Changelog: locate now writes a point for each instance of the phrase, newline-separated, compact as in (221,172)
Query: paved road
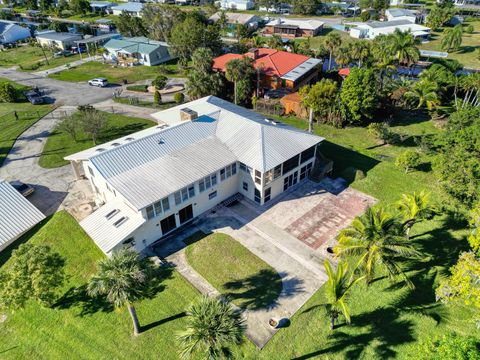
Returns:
(51,185)
(45,73)
(60,92)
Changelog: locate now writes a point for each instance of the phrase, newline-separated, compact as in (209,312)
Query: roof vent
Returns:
(115,144)
(120,221)
(130,139)
(100,149)
(161,141)
(187,114)
(112,213)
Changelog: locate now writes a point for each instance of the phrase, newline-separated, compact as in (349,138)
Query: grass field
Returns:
(113,74)
(78,327)
(60,144)
(27,57)
(468,54)
(11,129)
(233,270)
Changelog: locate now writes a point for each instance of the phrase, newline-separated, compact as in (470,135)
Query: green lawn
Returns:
(468,54)
(233,270)
(77,327)
(150,104)
(116,74)
(30,58)
(28,115)
(60,144)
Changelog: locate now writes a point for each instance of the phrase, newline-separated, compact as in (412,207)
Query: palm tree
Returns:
(424,92)
(342,56)
(452,38)
(124,278)
(376,238)
(336,291)
(234,73)
(213,325)
(413,208)
(403,47)
(240,71)
(332,41)
(471,85)
(359,51)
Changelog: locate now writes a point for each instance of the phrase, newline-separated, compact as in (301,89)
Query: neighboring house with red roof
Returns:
(278,69)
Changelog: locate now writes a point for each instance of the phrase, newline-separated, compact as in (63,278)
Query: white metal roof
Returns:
(111,224)
(307,24)
(17,214)
(159,162)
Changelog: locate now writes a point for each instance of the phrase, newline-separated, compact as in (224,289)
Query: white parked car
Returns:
(100,82)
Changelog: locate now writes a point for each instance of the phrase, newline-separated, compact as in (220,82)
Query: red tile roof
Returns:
(344,72)
(273,62)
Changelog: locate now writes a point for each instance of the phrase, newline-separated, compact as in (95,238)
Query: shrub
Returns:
(157,98)
(160,82)
(365,16)
(138,88)
(7,92)
(408,160)
(179,97)
(469,29)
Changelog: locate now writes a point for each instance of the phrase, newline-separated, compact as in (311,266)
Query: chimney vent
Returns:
(253,53)
(187,114)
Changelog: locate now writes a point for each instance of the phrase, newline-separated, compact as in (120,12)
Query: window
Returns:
(184,194)
(90,171)
(268,176)
(305,171)
(228,171)
(212,195)
(307,154)
(243,167)
(258,177)
(277,171)
(207,182)
(258,198)
(157,208)
(268,193)
(245,186)
(130,242)
(290,164)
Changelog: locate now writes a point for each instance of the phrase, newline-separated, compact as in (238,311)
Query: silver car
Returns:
(100,82)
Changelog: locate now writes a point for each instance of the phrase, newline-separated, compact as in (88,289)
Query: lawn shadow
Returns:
(261,290)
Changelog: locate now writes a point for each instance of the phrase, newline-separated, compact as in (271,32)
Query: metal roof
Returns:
(158,162)
(59,36)
(17,214)
(301,70)
(385,24)
(308,24)
(140,45)
(111,224)
(435,54)
(396,12)
(129,7)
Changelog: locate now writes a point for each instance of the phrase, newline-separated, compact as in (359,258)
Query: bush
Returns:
(179,97)
(7,92)
(469,29)
(365,16)
(160,82)
(450,346)
(157,98)
(138,88)
(408,160)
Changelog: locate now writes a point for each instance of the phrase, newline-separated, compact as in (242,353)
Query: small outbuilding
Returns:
(11,32)
(61,40)
(17,215)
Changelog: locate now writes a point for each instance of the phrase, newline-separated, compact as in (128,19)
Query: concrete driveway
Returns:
(60,92)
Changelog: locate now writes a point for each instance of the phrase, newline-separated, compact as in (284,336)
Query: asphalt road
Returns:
(60,92)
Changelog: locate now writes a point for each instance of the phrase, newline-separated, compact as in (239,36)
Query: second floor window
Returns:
(184,194)
(157,208)
(228,171)
(207,182)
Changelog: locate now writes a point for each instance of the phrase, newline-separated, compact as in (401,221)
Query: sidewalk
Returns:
(45,73)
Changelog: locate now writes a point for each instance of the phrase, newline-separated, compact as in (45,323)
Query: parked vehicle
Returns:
(22,188)
(100,82)
(64,53)
(34,96)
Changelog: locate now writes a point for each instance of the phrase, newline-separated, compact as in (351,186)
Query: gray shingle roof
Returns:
(17,214)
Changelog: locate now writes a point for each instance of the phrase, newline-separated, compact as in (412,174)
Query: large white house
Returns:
(151,182)
(371,29)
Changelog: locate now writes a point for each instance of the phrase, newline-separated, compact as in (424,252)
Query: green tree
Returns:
(179,98)
(365,16)
(201,80)
(439,15)
(343,56)
(452,38)
(359,94)
(70,126)
(124,278)
(305,7)
(414,208)
(160,19)
(359,51)
(470,84)
(408,160)
(336,290)
(7,92)
(157,97)
(34,272)
(424,93)
(403,47)
(58,26)
(79,7)
(375,240)
(93,123)
(320,98)
(160,82)
(213,325)
(129,25)
(332,41)
(450,346)
(240,72)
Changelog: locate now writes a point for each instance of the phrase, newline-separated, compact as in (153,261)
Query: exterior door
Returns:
(290,180)
(168,224)
(186,214)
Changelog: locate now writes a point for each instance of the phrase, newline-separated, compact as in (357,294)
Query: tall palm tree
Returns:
(336,291)
(403,47)
(471,85)
(413,208)
(452,38)
(359,51)
(213,325)
(376,239)
(234,73)
(240,72)
(123,278)
(424,92)
(342,56)
(332,41)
